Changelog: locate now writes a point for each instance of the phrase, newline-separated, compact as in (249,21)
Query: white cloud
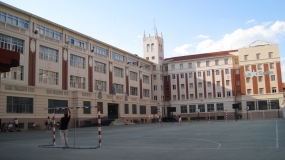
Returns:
(250,21)
(243,37)
(182,49)
(202,36)
(140,36)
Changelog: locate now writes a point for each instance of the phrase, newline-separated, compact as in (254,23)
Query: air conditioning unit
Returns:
(36,31)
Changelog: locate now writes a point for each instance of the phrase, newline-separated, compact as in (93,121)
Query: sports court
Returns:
(242,139)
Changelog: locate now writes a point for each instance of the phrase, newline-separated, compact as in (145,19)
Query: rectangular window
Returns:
(246,68)
(183,96)
(20,105)
(191,96)
(100,67)
(190,75)
(153,110)
(16,73)
(208,73)
(146,92)
(236,61)
(154,77)
(101,106)
(155,87)
(100,50)
(245,57)
(182,75)
(228,93)
(248,91)
(100,85)
(48,77)
(49,32)
(134,76)
(145,79)
(198,64)
(154,97)
(142,109)
(53,103)
(134,108)
(272,77)
(189,65)
(237,71)
(209,84)
(258,56)
(147,58)
(86,109)
(154,67)
(270,55)
(8,18)
(166,78)
(181,66)
(217,72)
(218,83)
(173,67)
(183,109)
(220,106)
(77,42)
(77,82)
(251,105)
(207,63)
(201,107)
(216,62)
(247,79)
(77,61)
(173,76)
(174,87)
(273,89)
(11,43)
(271,65)
(182,86)
(200,95)
(166,68)
(191,85)
(134,91)
(200,85)
(174,97)
(219,94)
(48,54)
(199,74)
(119,72)
(259,67)
(227,71)
(152,57)
(192,108)
(118,56)
(210,107)
(275,104)
(227,82)
(126,108)
(261,91)
(209,95)
(226,61)
(262,105)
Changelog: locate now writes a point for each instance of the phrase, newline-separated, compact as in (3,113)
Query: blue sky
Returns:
(188,26)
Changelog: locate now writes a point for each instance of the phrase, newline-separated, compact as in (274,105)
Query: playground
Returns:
(242,139)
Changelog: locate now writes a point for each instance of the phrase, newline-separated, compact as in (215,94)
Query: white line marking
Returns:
(276,134)
(188,148)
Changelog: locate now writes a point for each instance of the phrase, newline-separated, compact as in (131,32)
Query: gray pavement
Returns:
(244,139)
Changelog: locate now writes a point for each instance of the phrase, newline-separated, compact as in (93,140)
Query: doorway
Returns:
(113,109)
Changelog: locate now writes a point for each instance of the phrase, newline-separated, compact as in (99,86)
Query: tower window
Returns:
(152,47)
(148,47)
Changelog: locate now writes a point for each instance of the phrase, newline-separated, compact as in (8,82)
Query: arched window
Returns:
(148,47)
(152,47)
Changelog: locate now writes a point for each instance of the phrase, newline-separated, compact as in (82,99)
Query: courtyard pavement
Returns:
(262,139)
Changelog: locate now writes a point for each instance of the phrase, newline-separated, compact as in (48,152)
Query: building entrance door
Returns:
(113,111)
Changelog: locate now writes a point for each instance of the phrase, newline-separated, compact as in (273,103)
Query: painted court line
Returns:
(276,134)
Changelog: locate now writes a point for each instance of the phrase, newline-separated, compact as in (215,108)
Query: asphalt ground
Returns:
(242,139)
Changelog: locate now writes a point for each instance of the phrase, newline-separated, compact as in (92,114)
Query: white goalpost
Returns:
(53,145)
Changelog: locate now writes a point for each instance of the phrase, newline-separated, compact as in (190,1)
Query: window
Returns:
(118,56)
(173,67)
(200,95)
(119,88)
(49,32)
(262,105)
(8,18)
(275,104)
(145,79)
(155,87)
(237,82)
(154,77)
(273,89)
(133,76)
(237,71)
(48,77)
(152,47)
(199,74)
(182,86)
(192,108)
(174,87)
(245,57)
(248,91)
(119,72)
(146,92)
(154,67)
(208,73)
(190,75)
(155,97)
(134,91)
(259,67)
(210,95)
(218,83)
(174,97)
(191,85)
(86,110)
(183,109)
(272,77)
(153,110)
(236,61)
(100,85)
(209,84)
(142,109)
(166,68)
(183,97)
(261,91)
(11,43)
(228,93)
(100,67)
(134,108)
(173,76)
(226,61)
(219,94)
(270,54)
(216,62)
(246,68)
(100,50)
(227,71)
(191,96)
(16,73)
(133,62)
(181,66)
(258,56)
(217,72)
(77,82)
(48,54)
(271,65)
(251,105)
(227,82)
(19,105)
(148,47)
(147,58)
(207,63)
(77,61)
(182,75)
(189,65)
(77,42)
(126,108)
(53,103)
(247,79)
(198,64)
(220,106)
(152,57)
(200,85)
(201,107)
(210,107)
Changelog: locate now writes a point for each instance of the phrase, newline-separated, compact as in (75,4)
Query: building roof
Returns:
(203,55)
(258,43)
